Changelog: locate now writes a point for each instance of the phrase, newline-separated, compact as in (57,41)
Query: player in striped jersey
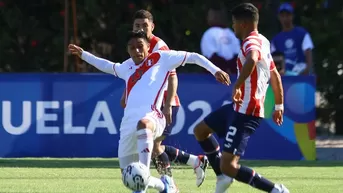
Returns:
(163,155)
(238,121)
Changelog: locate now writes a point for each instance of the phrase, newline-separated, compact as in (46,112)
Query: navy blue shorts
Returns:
(167,131)
(220,119)
(236,128)
(239,132)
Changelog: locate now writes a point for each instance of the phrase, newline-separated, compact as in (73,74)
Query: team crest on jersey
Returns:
(289,43)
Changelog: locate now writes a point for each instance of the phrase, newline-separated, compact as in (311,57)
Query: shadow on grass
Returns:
(114,163)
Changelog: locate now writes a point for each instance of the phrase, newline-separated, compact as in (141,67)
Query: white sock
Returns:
(223,183)
(156,184)
(193,161)
(145,144)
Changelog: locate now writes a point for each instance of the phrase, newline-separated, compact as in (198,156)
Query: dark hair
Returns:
(246,11)
(143,14)
(137,34)
(278,53)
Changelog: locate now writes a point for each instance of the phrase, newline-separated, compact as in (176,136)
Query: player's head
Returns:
(217,16)
(286,15)
(138,45)
(143,20)
(244,19)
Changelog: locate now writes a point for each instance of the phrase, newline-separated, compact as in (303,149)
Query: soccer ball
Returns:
(136,176)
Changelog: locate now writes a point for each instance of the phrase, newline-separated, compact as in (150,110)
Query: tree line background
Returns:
(32,35)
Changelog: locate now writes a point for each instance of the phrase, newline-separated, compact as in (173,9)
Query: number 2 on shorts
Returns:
(228,139)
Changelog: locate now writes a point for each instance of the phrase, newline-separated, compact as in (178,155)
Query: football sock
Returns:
(145,144)
(156,184)
(162,164)
(223,183)
(249,176)
(179,156)
(211,148)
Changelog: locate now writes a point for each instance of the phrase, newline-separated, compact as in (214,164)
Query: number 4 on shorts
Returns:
(228,139)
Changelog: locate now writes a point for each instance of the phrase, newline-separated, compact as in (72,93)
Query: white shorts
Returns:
(127,151)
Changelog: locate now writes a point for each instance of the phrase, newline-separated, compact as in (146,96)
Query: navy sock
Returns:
(249,176)
(211,148)
(176,155)
(162,164)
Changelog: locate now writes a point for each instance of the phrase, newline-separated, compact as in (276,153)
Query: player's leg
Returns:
(160,158)
(149,128)
(236,140)
(216,122)
(127,154)
(177,155)
(199,163)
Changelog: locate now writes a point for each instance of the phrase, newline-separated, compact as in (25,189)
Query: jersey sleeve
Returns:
(103,65)
(252,44)
(173,59)
(307,42)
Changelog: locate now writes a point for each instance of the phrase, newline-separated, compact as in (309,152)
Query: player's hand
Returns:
(167,111)
(278,117)
(236,96)
(222,77)
(75,50)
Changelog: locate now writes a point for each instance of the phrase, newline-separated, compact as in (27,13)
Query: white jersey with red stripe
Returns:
(146,83)
(255,86)
(157,43)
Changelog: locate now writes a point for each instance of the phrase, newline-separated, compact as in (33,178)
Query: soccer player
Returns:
(255,69)
(163,155)
(145,75)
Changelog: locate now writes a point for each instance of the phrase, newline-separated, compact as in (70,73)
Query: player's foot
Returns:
(174,188)
(280,188)
(200,169)
(139,192)
(169,185)
(223,183)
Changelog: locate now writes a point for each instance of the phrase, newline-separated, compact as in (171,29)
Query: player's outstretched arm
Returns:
(99,63)
(195,58)
(276,83)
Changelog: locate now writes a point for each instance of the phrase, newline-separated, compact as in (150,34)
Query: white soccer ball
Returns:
(136,176)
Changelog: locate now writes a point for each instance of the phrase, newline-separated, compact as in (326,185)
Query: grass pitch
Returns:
(47,175)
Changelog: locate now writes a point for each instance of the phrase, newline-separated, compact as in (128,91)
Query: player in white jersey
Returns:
(145,76)
(237,122)
(163,155)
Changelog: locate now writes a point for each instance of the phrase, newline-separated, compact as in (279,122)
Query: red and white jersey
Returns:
(146,82)
(255,86)
(157,43)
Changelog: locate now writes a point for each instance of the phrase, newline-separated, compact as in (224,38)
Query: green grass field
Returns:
(103,175)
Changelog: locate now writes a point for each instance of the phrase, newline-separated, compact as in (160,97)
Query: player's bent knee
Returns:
(145,124)
(202,131)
